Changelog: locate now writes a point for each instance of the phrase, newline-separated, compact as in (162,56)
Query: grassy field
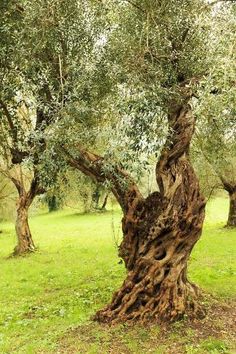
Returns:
(47,299)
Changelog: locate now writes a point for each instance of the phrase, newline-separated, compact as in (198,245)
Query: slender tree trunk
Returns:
(104,202)
(25,242)
(230,187)
(159,234)
(53,203)
(232,210)
(95,198)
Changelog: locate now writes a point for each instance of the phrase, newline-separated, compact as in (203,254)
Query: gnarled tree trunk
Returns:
(159,234)
(25,242)
(159,231)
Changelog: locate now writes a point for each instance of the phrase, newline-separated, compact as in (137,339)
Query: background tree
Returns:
(210,183)
(18,123)
(216,130)
(24,175)
(75,190)
(7,198)
(47,63)
(53,202)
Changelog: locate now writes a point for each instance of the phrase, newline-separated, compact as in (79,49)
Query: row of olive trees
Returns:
(119,78)
(77,191)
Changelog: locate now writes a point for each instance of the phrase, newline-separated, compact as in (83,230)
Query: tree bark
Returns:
(159,234)
(103,207)
(25,242)
(230,187)
(232,210)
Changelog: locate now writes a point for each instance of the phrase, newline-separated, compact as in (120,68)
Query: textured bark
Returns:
(24,237)
(232,210)
(159,234)
(159,231)
(25,243)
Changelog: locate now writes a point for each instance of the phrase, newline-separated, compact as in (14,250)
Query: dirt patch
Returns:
(213,334)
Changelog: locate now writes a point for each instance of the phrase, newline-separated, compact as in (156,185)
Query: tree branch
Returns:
(18,186)
(229,187)
(92,165)
(135,5)
(9,119)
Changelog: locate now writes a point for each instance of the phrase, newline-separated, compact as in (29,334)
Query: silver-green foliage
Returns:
(215,106)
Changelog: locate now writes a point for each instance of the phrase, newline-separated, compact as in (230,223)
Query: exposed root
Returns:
(148,302)
(18,251)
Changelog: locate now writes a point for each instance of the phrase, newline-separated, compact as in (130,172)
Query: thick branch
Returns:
(122,185)
(228,186)
(9,120)
(18,185)
(35,188)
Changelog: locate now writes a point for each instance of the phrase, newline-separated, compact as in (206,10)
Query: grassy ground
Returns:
(46,299)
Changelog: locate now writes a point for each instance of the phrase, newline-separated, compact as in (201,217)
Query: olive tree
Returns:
(161,50)
(46,66)
(17,124)
(216,131)
(121,76)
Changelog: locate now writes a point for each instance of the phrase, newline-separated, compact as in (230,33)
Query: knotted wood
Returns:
(159,234)
(25,243)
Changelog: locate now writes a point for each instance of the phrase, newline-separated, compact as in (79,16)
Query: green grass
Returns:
(47,296)
(213,261)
